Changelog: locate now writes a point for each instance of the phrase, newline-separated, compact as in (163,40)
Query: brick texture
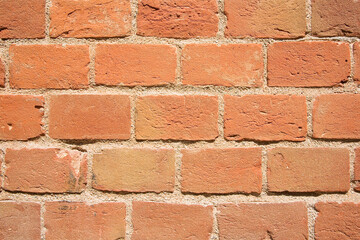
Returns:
(2,73)
(357,169)
(357,62)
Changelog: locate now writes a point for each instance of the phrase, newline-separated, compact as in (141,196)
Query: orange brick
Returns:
(357,62)
(81,221)
(177,18)
(22,18)
(49,66)
(226,65)
(134,170)
(2,74)
(48,170)
(308,170)
(177,118)
(248,221)
(308,64)
(90,19)
(135,64)
(20,117)
(164,221)
(265,19)
(357,169)
(221,170)
(336,116)
(89,117)
(265,118)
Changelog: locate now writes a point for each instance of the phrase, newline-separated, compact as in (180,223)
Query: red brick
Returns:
(81,221)
(308,64)
(164,221)
(249,221)
(50,170)
(336,116)
(2,74)
(22,18)
(177,118)
(89,117)
(335,18)
(20,117)
(135,64)
(221,170)
(134,170)
(265,118)
(265,19)
(19,220)
(308,170)
(226,65)
(357,169)
(337,221)
(357,62)
(49,66)
(177,18)
(90,19)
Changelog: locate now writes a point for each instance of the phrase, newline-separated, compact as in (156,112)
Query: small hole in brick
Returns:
(10,126)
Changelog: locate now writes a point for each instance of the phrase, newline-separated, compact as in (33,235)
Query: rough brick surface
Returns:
(258,221)
(308,64)
(265,19)
(336,116)
(45,170)
(90,19)
(19,220)
(81,221)
(335,18)
(135,64)
(176,118)
(226,65)
(337,221)
(49,66)
(89,117)
(134,170)
(177,18)
(221,170)
(22,19)
(2,73)
(163,221)
(308,170)
(357,62)
(265,118)
(20,117)
(357,169)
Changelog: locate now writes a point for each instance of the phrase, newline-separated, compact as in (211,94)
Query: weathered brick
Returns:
(48,170)
(308,170)
(2,74)
(357,170)
(357,62)
(221,170)
(135,64)
(177,117)
(164,221)
(226,65)
(49,66)
(308,64)
(265,118)
(89,117)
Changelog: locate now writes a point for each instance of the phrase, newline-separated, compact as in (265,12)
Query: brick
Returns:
(337,221)
(2,74)
(265,118)
(335,116)
(20,117)
(249,221)
(357,62)
(164,221)
(82,221)
(335,18)
(135,64)
(50,170)
(90,19)
(357,169)
(308,170)
(229,170)
(308,64)
(226,65)
(49,66)
(134,170)
(19,220)
(22,19)
(177,18)
(265,19)
(89,116)
(177,118)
